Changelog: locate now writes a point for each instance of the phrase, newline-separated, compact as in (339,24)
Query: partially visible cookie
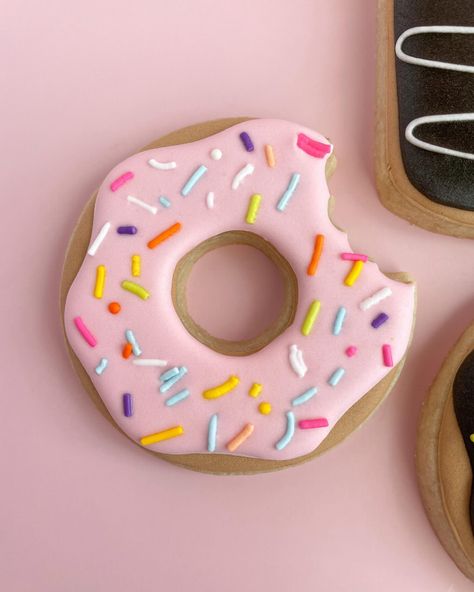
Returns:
(425,118)
(445,454)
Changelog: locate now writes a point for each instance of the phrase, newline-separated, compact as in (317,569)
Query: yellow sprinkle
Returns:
(136,265)
(222,389)
(135,289)
(265,408)
(310,317)
(160,436)
(269,155)
(99,281)
(471,437)
(254,206)
(255,390)
(354,273)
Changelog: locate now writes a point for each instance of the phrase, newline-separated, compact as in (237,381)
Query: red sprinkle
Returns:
(312,147)
(351,351)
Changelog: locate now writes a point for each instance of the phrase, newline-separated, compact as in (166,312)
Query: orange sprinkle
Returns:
(269,155)
(318,249)
(240,438)
(114,307)
(127,350)
(159,238)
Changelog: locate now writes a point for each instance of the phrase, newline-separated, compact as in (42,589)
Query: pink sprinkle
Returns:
(351,351)
(387,355)
(309,424)
(84,331)
(354,257)
(312,147)
(121,180)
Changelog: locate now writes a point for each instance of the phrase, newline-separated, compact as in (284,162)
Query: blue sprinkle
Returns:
(130,337)
(290,431)
(193,179)
(169,374)
(336,376)
(101,366)
(285,198)
(306,396)
(339,320)
(172,381)
(212,433)
(164,201)
(181,396)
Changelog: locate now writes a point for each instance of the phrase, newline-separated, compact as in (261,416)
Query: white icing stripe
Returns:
(432,63)
(438,119)
(448,118)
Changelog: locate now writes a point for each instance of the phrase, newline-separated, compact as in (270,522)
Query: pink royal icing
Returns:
(309,380)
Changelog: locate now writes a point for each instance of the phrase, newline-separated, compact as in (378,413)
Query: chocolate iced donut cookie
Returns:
(425,133)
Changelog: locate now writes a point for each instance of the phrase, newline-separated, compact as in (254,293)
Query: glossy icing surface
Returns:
(160,333)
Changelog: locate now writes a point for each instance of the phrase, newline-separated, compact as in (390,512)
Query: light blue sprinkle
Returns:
(169,374)
(336,376)
(212,433)
(193,179)
(165,387)
(164,201)
(306,396)
(181,396)
(130,337)
(101,366)
(290,431)
(339,321)
(285,198)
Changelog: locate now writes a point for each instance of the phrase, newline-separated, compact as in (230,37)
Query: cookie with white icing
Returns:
(445,454)
(425,121)
(202,402)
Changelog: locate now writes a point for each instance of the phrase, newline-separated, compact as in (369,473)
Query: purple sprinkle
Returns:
(247,142)
(379,320)
(127,405)
(127,230)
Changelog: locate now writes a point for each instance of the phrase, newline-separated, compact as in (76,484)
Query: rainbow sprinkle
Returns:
(121,180)
(254,206)
(354,273)
(222,389)
(212,433)
(387,355)
(240,438)
(289,433)
(379,320)
(270,155)
(310,424)
(310,317)
(163,435)
(101,366)
(84,331)
(127,403)
(134,288)
(130,337)
(336,376)
(193,179)
(246,141)
(288,194)
(339,321)
(99,281)
(304,397)
(170,382)
(164,201)
(99,239)
(181,396)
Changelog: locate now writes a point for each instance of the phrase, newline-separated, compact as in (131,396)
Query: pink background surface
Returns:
(81,507)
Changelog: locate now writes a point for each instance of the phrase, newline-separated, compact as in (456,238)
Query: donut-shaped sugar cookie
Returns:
(206,403)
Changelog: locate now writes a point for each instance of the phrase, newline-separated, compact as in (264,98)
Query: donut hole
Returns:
(235,293)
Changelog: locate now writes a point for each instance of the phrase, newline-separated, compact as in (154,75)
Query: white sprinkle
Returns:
(99,238)
(142,204)
(375,298)
(210,200)
(248,169)
(149,362)
(162,166)
(216,154)
(297,362)
(101,366)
